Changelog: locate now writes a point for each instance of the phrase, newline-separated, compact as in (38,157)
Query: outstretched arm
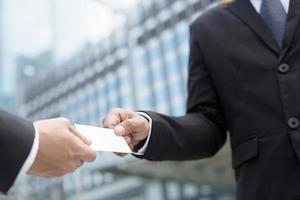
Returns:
(198,134)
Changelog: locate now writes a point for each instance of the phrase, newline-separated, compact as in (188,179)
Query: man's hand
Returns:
(61,149)
(132,126)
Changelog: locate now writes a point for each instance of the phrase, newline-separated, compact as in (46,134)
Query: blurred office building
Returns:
(3,98)
(141,65)
(1,48)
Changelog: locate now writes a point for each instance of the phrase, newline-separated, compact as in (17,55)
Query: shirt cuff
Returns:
(32,155)
(142,150)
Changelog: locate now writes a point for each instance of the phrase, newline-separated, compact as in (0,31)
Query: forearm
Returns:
(183,138)
(16,140)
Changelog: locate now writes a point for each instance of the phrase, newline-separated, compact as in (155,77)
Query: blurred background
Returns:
(78,59)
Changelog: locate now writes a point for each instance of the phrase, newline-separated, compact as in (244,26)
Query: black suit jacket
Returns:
(16,139)
(242,82)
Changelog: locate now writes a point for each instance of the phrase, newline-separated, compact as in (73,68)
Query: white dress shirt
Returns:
(256,4)
(32,155)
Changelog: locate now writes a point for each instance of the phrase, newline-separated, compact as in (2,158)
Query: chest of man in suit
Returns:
(257,85)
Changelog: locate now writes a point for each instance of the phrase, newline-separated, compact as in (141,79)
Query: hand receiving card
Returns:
(104,139)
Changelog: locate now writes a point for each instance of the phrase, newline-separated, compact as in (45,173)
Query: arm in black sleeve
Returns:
(16,140)
(201,132)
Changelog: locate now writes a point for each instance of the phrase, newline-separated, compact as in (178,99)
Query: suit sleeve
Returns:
(201,132)
(16,140)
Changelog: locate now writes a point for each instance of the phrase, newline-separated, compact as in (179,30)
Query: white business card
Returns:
(104,139)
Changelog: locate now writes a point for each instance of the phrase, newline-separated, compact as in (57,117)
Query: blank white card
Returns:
(104,139)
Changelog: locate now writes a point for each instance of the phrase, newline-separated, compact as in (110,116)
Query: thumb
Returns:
(126,127)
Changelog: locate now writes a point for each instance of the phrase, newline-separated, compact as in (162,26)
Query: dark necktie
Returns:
(274,15)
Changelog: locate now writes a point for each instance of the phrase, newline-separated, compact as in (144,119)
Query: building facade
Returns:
(1,48)
(141,66)
(4,99)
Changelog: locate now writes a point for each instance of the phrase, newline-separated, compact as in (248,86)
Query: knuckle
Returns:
(66,122)
(113,110)
(105,121)
(94,156)
(83,138)
(63,119)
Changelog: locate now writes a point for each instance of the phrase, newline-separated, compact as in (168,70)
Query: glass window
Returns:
(102,98)
(143,81)
(126,94)
(158,74)
(112,90)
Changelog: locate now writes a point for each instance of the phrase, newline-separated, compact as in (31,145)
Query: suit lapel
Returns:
(292,22)
(244,10)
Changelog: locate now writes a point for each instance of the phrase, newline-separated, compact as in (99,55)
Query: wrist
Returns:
(146,124)
(139,145)
(32,158)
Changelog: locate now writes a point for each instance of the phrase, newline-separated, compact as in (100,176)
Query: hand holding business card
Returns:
(104,139)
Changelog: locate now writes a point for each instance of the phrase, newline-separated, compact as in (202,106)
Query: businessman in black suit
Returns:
(47,148)
(244,77)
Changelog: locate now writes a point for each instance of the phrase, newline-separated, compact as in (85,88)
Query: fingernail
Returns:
(120,130)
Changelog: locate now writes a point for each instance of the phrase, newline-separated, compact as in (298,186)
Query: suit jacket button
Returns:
(284,68)
(293,123)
